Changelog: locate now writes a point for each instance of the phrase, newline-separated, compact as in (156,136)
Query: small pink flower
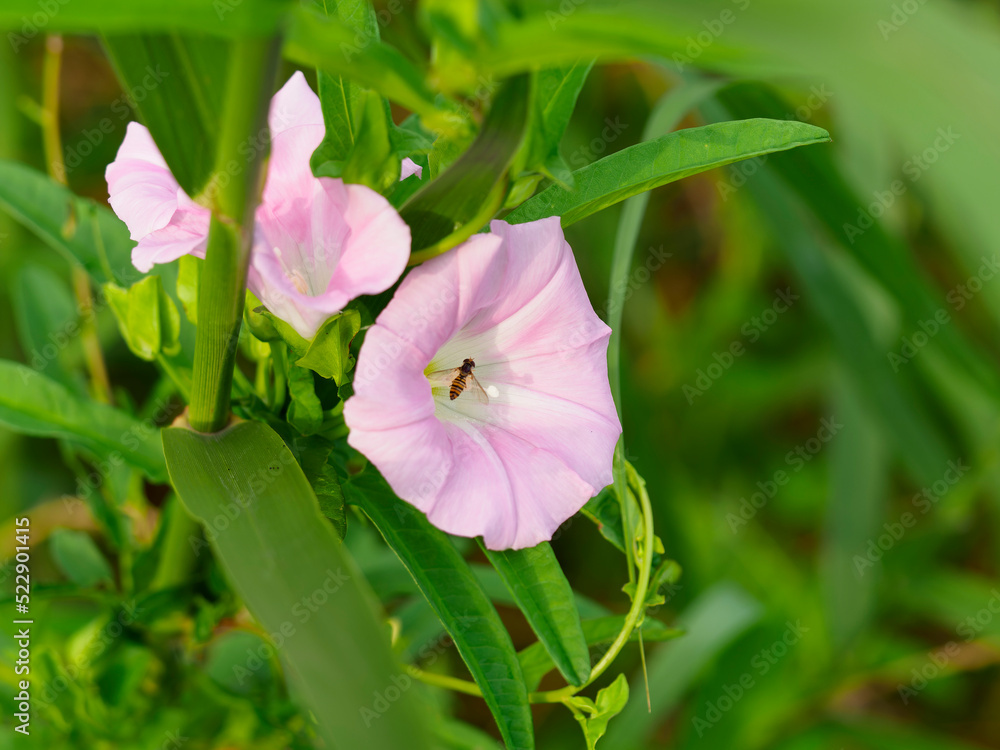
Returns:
(513,469)
(318,242)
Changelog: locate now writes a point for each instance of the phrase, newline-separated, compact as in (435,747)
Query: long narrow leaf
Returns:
(543,594)
(444,578)
(672,157)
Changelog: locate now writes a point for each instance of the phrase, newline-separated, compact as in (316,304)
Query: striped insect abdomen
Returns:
(457,386)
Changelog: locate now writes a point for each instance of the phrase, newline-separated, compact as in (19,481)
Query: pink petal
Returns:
(411,167)
(523,463)
(142,191)
(316,253)
(294,105)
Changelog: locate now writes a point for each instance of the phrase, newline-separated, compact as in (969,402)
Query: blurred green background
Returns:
(810,389)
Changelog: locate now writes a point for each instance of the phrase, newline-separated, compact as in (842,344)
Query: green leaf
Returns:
(373,161)
(78,558)
(894,396)
(663,160)
(859,476)
(536,661)
(554,97)
(147,318)
(543,594)
(281,555)
(609,703)
(341,100)
(265,326)
(332,46)
(79,229)
(467,614)
(313,454)
(35,405)
(460,201)
(329,353)
(48,322)
(175,82)
(305,412)
(224,18)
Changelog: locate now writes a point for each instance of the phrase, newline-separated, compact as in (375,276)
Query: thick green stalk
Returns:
(232,194)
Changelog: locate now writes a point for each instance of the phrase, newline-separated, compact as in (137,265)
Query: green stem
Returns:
(632,620)
(232,194)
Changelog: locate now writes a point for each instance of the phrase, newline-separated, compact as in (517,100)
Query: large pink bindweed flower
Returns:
(318,242)
(514,468)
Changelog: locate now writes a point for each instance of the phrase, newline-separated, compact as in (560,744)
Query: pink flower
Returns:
(513,469)
(318,242)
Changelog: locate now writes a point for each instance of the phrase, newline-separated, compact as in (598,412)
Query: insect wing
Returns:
(443,377)
(476,387)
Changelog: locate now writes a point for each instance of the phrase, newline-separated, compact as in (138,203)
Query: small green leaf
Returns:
(446,581)
(595,715)
(78,558)
(554,95)
(329,353)
(373,160)
(266,327)
(147,318)
(671,157)
(543,594)
(36,405)
(305,412)
(188,277)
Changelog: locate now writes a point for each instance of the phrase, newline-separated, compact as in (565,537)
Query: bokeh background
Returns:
(810,389)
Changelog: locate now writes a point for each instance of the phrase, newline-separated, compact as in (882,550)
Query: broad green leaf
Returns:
(543,594)
(224,18)
(463,198)
(671,157)
(78,558)
(281,555)
(536,661)
(444,578)
(48,321)
(596,714)
(711,622)
(82,231)
(36,405)
(147,317)
(175,82)
(329,353)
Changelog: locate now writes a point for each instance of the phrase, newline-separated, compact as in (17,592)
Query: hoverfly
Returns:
(461,379)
